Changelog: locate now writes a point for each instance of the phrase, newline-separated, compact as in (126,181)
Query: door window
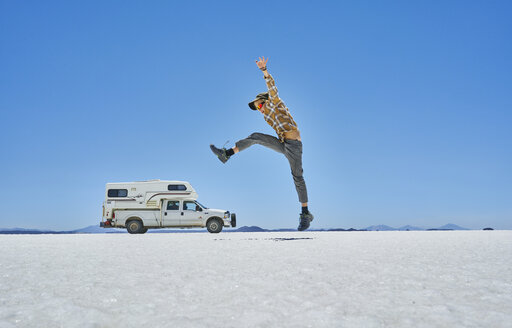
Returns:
(173,205)
(190,206)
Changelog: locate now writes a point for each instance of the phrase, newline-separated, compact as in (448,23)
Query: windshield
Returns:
(201,205)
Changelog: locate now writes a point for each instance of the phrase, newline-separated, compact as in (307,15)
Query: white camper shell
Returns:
(139,206)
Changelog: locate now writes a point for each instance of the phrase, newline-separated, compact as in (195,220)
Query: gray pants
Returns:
(292,149)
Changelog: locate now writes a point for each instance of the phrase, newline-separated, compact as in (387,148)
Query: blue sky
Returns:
(404,108)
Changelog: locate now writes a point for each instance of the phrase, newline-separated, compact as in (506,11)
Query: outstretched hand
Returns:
(262,62)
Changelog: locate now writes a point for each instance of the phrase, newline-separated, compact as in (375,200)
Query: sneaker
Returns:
(220,153)
(305,220)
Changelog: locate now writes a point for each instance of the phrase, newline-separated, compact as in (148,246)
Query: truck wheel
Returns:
(214,226)
(144,230)
(134,226)
(233,220)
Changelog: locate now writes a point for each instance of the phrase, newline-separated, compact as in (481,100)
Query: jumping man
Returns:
(277,115)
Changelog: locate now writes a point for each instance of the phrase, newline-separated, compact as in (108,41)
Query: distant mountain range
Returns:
(380,227)
(449,226)
(97,229)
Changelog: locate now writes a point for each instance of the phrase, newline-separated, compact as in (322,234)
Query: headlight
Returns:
(226,215)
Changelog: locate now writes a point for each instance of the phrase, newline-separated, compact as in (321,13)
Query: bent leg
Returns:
(261,139)
(293,152)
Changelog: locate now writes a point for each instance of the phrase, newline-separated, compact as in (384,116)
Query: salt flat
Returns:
(277,279)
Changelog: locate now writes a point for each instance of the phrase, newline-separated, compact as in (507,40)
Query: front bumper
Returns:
(229,220)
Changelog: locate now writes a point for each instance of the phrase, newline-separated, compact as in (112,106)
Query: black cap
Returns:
(259,96)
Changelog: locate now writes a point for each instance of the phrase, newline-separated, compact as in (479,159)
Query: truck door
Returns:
(171,215)
(192,214)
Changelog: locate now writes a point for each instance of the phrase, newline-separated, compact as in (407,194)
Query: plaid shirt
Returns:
(276,113)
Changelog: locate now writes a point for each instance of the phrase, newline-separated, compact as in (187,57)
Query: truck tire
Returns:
(144,230)
(214,225)
(134,226)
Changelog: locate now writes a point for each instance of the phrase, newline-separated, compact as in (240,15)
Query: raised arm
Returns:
(271,85)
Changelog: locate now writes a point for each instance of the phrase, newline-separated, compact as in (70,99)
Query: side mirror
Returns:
(198,208)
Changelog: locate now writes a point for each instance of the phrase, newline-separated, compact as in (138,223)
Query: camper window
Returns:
(176,187)
(117,192)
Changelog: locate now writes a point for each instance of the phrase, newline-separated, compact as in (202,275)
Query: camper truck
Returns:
(139,206)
